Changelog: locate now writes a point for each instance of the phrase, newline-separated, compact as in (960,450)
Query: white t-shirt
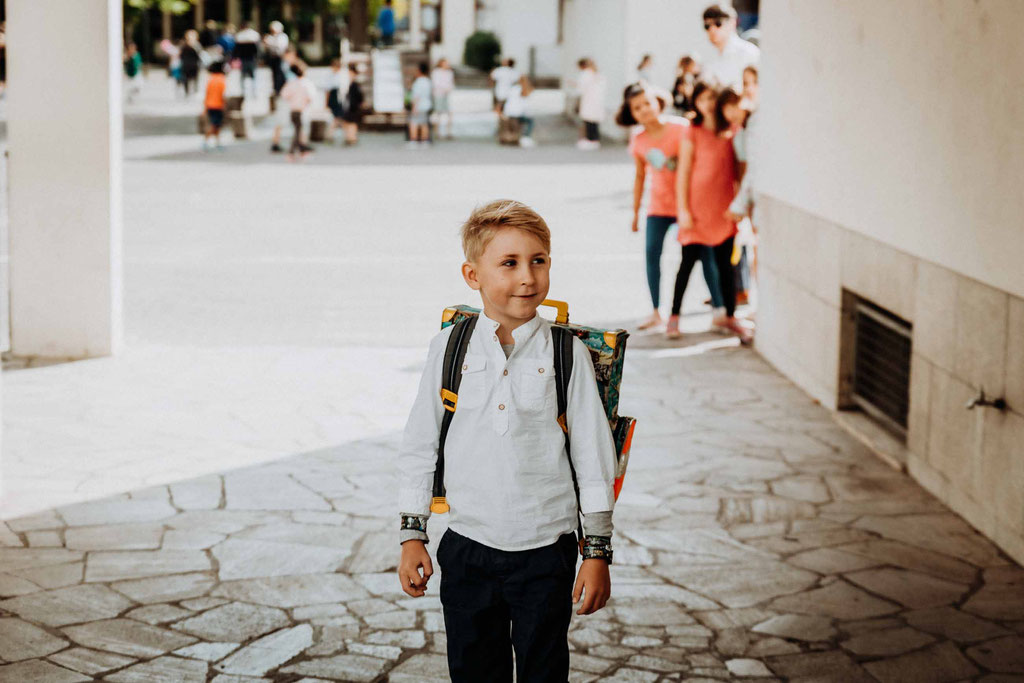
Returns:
(421,94)
(443,80)
(299,93)
(504,78)
(516,104)
(247,35)
(277,43)
(725,68)
(591,86)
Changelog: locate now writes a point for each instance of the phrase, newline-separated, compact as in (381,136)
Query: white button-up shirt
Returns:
(725,68)
(506,470)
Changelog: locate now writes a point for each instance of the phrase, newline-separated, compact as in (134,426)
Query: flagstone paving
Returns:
(755,540)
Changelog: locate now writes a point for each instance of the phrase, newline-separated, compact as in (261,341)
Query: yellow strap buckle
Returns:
(438,505)
(449,400)
(562,423)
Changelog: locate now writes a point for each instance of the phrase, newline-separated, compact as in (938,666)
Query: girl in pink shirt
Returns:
(705,186)
(655,149)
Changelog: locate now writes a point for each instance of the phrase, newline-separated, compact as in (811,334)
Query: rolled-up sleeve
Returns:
(417,459)
(591,447)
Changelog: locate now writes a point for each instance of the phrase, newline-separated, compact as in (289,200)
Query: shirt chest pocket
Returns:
(534,387)
(473,386)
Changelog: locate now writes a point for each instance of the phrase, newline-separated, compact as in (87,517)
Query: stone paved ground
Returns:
(755,540)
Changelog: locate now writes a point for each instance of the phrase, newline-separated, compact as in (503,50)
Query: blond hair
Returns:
(485,222)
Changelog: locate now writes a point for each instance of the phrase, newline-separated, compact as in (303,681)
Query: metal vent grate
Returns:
(881,369)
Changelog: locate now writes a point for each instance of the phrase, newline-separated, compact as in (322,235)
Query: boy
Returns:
(214,104)
(509,554)
(422,103)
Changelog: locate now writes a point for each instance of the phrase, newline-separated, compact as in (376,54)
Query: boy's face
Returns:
(511,276)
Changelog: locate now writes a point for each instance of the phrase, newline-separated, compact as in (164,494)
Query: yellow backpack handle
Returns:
(561,307)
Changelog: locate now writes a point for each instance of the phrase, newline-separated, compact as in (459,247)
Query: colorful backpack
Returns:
(607,352)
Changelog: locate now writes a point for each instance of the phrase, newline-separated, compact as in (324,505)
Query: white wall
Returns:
(595,29)
(522,24)
(64,140)
(919,143)
(457,24)
(616,33)
(667,30)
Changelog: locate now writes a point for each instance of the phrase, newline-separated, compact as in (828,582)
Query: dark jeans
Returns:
(726,279)
(657,228)
(277,75)
(497,601)
(248,69)
(590,131)
(743,272)
(189,78)
(527,123)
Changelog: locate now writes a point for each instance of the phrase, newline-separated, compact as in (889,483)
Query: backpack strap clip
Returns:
(449,400)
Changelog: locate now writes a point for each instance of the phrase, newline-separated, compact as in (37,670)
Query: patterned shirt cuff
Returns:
(597,548)
(412,527)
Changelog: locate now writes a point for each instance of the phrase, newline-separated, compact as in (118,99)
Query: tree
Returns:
(136,11)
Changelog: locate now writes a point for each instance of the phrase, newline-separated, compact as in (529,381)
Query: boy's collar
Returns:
(521,333)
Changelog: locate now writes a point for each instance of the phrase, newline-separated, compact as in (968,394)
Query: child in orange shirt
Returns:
(214,104)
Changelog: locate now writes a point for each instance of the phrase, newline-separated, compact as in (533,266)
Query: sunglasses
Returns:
(714,22)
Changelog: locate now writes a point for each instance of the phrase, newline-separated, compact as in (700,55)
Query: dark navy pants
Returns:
(496,602)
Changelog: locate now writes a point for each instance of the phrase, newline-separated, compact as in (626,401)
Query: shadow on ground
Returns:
(754,538)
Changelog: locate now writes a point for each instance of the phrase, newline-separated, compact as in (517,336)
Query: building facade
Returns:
(617,33)
(891,238)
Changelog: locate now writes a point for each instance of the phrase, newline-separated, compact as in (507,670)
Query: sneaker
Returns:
(672,329)
(276,148)
(741,329)
(527,142)
(742,298)
(653,321)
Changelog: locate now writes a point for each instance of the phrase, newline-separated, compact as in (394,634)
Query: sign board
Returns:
(388,89)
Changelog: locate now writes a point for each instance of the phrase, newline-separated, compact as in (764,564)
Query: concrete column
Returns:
(165,25)
(234,12)
(257,19)
(200,14)
(65,177)
(318,32)
(415,24)
(287,10)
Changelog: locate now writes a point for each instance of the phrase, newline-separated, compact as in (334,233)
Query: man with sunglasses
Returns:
(731,54)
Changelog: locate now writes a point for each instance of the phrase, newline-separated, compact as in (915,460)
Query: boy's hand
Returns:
(414,556)
(594,583)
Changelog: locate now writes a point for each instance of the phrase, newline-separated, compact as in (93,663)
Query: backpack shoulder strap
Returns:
(451,378)
(561,340)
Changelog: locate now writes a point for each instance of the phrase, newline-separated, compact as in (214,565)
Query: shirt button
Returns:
(540,370)
(465,367)
(501,406)
(495,337)
(505,373)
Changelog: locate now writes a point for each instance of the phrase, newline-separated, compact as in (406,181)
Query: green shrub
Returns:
(482,50)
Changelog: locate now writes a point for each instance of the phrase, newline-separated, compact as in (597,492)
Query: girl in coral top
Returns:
(705,186)
(655,148)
